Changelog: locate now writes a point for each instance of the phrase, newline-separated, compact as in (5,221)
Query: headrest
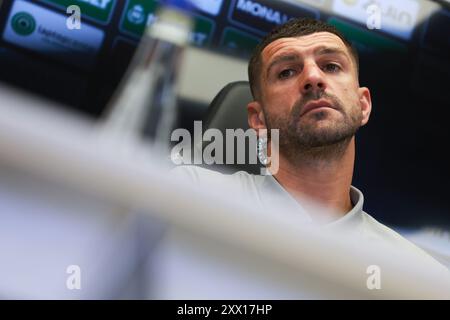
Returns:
(228,110)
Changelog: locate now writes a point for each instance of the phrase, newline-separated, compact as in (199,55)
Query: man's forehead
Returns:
(306,43)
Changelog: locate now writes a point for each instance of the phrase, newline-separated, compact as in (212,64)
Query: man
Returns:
(304,80)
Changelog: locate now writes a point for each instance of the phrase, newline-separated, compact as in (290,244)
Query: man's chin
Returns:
(319,128)
(323,137)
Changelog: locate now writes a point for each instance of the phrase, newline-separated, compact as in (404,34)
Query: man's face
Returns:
(310,91)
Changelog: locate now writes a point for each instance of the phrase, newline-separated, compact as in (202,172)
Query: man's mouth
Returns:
(313,105)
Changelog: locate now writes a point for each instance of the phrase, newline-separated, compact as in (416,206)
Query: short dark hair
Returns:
(296,27)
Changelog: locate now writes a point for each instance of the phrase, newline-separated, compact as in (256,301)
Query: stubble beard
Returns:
(304,139)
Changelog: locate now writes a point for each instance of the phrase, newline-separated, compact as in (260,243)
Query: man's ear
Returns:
(365,103)
(255,116)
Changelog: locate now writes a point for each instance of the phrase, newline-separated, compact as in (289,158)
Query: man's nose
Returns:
(313,79)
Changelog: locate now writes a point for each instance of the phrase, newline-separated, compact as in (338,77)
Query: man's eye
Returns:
(286,74)
(331,67)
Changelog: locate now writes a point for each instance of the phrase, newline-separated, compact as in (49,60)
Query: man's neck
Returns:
(324,180)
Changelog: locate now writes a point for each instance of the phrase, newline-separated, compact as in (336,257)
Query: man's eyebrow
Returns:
(288,57)
(330,50)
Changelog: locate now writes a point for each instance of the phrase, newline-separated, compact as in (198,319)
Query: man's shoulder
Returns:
(379,230)
(194,173)
(203,176)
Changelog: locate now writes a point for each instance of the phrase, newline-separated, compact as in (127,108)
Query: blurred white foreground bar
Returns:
(215,248)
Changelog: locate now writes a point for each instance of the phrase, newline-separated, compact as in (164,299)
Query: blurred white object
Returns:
(210,228)
(46,226)
(45,230)
(435,241)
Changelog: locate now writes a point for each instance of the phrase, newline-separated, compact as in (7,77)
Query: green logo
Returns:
(23,23)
